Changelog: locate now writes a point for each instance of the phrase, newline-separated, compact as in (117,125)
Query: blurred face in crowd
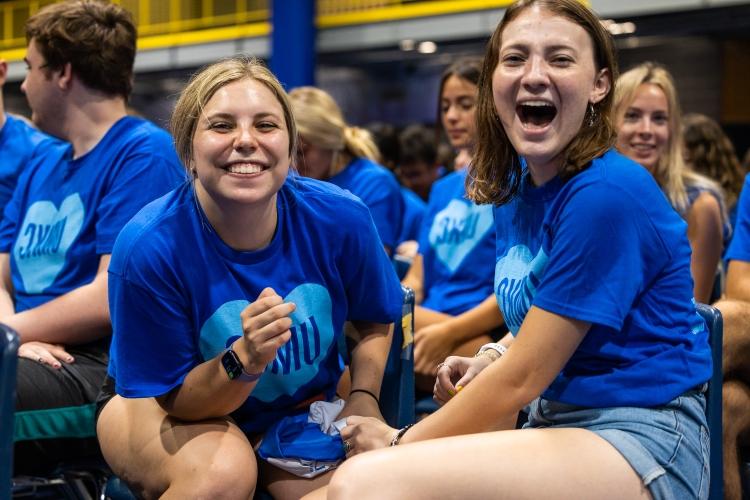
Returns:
(643,128)
(241,146)
(457,106)
(313,161)
(418,176)
(543,83)
(42,90)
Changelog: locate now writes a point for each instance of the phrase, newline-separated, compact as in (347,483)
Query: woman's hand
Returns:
(265,328)
(455,373)
(363,434)
(45,354)
(432,344)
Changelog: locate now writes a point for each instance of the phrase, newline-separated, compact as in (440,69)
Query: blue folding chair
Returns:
(397,389)
(715,324)
(8,363)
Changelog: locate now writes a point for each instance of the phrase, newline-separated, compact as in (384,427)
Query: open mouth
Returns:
(537,114)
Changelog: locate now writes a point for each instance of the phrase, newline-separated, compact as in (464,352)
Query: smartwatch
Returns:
(234,367)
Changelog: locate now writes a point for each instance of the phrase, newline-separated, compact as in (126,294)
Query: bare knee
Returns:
(361,477)
(735,404)
(231,474)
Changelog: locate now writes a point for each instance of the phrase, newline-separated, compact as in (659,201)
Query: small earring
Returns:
(592,115)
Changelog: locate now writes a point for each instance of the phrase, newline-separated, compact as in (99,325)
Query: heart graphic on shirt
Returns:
(458,229)
(43,242)
(517,276)
(297,362)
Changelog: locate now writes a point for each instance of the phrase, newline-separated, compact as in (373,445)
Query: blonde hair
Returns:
(495,172)
(321,123)
(204,84)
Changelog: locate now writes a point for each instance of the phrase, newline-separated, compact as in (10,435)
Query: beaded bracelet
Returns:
(397,437)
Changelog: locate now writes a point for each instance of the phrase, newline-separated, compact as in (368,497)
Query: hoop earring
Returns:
(592,115)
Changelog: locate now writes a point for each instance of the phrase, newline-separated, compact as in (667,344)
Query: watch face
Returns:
(232,364)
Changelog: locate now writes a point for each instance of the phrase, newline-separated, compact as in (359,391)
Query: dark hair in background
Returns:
(416,144)
(386,139)
(495,173)
(96,38)
(709,151)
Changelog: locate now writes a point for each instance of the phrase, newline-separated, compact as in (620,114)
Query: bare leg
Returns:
(283,485)
(538,464)
(736,345)
(159,456)
(736,421)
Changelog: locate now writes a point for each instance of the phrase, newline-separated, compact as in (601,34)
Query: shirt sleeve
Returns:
(602,250)
(151,340)
(143,176)
(372,287)
(739,248)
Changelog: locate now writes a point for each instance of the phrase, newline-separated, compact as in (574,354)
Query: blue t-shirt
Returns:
(19,143)
(176,292)
(414,210)
(739,248)
(65,213)
(457,244)
(607,248)
(379,190)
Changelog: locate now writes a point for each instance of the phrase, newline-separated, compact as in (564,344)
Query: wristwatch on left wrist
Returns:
(234,367)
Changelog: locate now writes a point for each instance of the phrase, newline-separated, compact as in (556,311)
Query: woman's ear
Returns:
(602,86)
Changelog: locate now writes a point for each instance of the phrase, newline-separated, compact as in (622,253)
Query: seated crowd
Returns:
(211,310)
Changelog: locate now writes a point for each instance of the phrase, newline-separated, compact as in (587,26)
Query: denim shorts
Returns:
(667,446)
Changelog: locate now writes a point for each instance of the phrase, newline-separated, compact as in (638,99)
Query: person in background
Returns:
(331,150)
(708,151)
(19,143)
(60,225)
(387,141)
(735,311)
(452,271)
(214,345)
(417,166)
(617,403)
(649,131)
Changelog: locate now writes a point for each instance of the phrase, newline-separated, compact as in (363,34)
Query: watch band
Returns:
(234,367)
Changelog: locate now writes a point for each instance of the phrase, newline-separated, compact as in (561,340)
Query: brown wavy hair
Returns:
(495,174)
(709,151)
(96,38)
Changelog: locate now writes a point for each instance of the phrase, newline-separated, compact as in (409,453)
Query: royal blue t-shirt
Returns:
(414,210)
(19,143)
(379,190)
(607,248)
(177,290)
(739,248)
(457,244)
(65,213)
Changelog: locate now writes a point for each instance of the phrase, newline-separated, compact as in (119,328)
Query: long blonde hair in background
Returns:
(670,172)
(321,123)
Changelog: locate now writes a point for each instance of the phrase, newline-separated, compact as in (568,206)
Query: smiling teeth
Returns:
(244,169)
(536,103)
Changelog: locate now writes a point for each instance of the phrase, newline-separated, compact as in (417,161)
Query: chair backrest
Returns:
(397,390)
(715,324)
(8,363)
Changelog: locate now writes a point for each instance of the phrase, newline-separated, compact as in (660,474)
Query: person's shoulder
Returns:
(372,171)
(135,129)
(412,199)
(156,224)
(320,199)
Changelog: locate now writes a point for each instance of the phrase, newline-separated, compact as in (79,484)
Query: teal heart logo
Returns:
(298,360)
(517,276)
(45,237)
(458,229)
